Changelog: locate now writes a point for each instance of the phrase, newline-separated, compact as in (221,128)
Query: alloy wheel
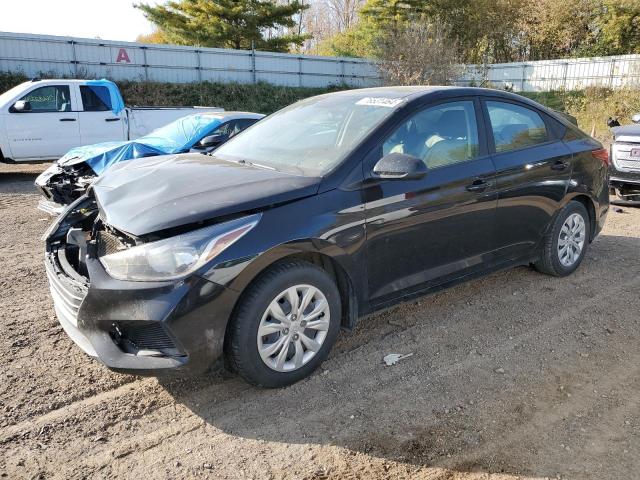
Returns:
(293,328)
(571,239)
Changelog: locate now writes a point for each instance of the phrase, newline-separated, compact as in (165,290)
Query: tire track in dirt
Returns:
(443,413)
(232,415)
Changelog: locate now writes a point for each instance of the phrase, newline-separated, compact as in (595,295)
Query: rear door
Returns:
(97,121)
(48,128)
(533,169)
(425,232)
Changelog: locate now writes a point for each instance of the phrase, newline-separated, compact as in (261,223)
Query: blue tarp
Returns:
(178,136)
(115,98)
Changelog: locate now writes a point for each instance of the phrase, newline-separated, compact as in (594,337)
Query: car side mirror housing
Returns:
(21,106)
(211,140)
(399,166)
(636,118)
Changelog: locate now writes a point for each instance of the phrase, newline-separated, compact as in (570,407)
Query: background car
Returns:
(625,163)
(69,177)
(326,211)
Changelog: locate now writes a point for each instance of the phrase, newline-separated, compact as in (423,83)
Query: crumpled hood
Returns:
(627,133)
(152,194)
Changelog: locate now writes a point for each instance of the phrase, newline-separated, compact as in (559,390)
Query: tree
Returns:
(238,24)
(419,53)
(358,41)
(154,37)
(555,29)
(619,28)
(392,13)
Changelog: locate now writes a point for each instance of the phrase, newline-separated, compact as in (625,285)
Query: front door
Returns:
(421,233)
(47,128)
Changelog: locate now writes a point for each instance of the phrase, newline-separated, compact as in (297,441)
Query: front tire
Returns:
(566,243)
(285,325)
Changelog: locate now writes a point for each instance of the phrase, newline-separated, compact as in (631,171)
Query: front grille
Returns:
(108,243)
(623,159)
(629,164)
(67,293)
(135,336)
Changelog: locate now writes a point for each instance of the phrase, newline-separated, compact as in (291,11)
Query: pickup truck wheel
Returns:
(285,325)
(565,245)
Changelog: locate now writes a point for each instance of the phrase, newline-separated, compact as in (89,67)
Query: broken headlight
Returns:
(178,256)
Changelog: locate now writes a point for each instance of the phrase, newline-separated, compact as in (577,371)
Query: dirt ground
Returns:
(517,375)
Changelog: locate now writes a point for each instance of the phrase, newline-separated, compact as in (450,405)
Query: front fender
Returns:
(314,225)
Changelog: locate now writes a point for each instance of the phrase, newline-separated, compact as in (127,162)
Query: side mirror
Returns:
(211,140)
(399,166)
(636,118)
(21,106)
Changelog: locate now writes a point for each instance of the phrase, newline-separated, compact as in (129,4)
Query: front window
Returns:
(313,136)
(439,136)
(52,98)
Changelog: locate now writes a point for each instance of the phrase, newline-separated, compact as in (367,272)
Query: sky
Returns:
(106,19)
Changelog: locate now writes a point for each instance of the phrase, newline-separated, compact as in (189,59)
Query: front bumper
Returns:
(140,327)
(626,186)
(50,207)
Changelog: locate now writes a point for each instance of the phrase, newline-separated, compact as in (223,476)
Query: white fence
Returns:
(568,74)
(73,57)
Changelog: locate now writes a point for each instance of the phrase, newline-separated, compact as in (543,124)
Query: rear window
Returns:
(95,98)
(515,127)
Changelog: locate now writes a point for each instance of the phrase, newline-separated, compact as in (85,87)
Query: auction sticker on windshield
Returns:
(380,101)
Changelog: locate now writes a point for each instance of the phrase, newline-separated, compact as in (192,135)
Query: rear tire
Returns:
(285,325)
(566,243)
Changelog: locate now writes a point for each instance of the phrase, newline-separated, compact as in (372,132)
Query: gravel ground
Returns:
(517,375)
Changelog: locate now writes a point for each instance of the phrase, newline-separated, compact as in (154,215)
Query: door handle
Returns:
(479,185)
(559,165)
(111,119)
(67,119)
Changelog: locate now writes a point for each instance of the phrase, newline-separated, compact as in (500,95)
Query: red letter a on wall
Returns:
(123,56)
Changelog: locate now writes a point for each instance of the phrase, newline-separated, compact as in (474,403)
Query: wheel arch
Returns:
(338,272)
(308,252)
(589,204)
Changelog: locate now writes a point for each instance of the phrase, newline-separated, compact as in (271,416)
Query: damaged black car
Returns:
(333,208)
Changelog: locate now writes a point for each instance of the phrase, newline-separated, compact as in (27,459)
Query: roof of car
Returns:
(411,93)
(422,90)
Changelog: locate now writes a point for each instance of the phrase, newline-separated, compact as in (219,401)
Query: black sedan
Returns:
(332,208)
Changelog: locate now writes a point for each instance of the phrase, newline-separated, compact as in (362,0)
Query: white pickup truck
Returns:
(43,119)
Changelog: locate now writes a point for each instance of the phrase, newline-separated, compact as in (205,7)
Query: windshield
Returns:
(182,133)
(313,136)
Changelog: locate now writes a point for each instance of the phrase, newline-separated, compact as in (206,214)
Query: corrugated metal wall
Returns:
(67,56)
(569,74)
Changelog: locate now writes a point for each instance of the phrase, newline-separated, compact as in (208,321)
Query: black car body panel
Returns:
(384,241)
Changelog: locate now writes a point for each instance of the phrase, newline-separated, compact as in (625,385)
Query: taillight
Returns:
(601,154)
